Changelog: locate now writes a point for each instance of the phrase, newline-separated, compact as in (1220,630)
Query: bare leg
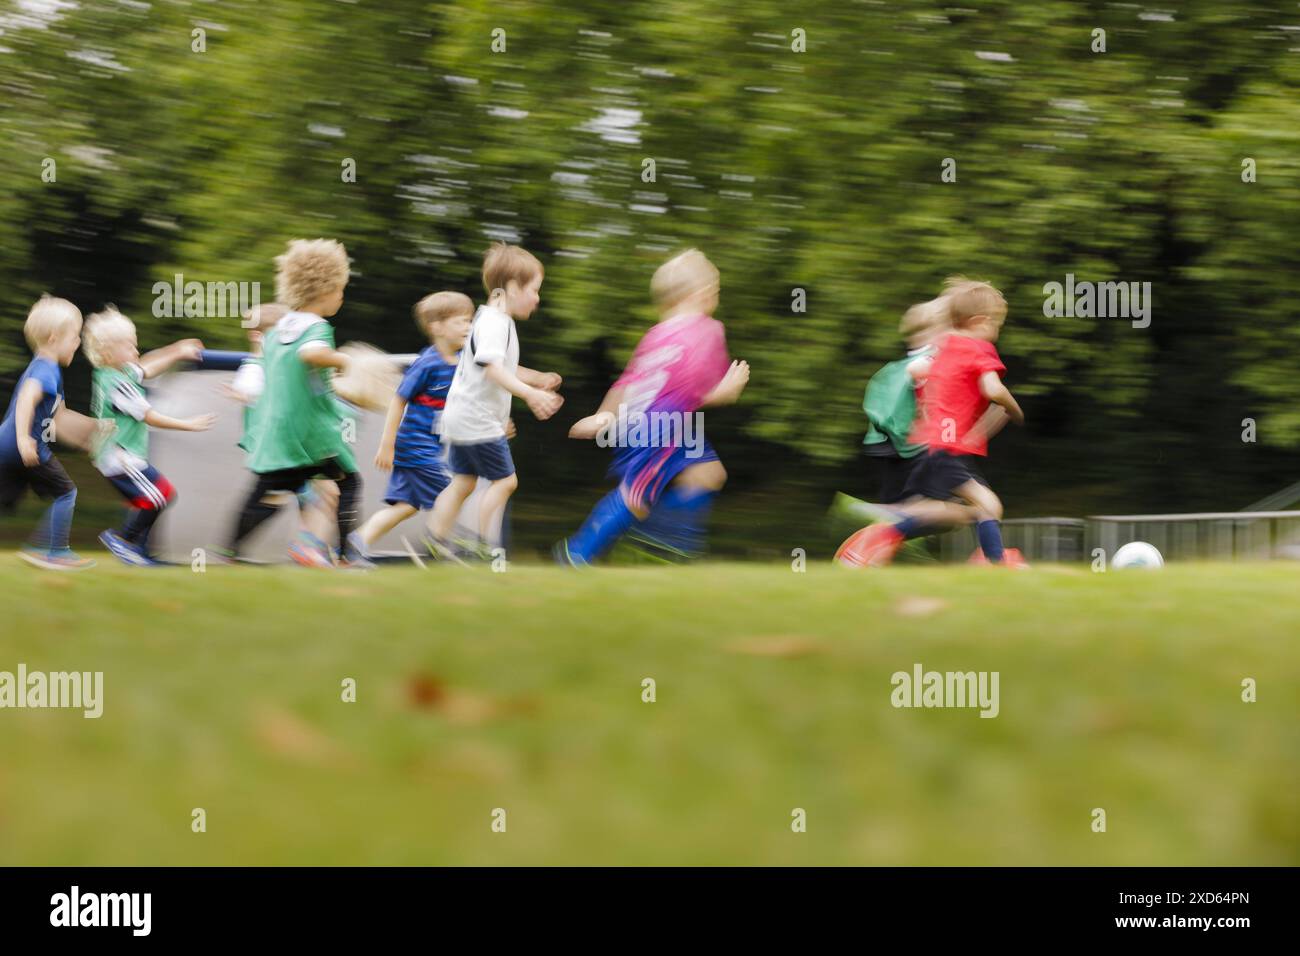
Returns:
(319,518)
(383,521)
(494,503)
(706,476)
(449,503)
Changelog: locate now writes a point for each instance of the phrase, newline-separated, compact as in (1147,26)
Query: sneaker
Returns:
(310,552)
(62,559)
(560,552)
(355,556)
(123,550)
(355,562)
(442,551)
(651,549)
(872,547)
(474,549)
(1011,558)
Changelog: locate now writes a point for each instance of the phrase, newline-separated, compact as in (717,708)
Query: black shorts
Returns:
(47,479)
(895,477)
(941,473)
(291,479)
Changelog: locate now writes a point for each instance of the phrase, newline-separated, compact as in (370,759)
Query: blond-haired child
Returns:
(53,332)
(117,394)
(680,366)
(300,433)
(318,498)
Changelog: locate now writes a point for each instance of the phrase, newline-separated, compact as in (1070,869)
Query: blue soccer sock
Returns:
(607,521)
(990,536)
(52,532)
(910,527)
(679,521)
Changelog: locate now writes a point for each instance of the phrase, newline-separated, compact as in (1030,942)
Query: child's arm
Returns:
(591,426)
(248,384)
(727,391)
(31,393)
(199,423)
(546,381)
(541,403)
(991,388)
(160,360)
(388,441)
(323,356)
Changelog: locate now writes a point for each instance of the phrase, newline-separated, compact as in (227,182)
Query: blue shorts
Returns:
(485,459)
(645,472)
(417,487)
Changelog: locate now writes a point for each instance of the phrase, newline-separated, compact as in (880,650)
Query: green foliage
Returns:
(816,170)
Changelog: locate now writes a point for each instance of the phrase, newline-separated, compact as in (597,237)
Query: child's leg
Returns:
(320,514)
(256,509)
(449,503)
(49,480)
(987,513)
(679,519)
(151,493)
(494,504)
(349,498)
(383,521)
(611,517)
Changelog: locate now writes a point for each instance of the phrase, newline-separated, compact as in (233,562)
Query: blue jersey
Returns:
(47,373)
(424,386)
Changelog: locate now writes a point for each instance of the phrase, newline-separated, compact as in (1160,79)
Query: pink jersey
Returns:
(676,364)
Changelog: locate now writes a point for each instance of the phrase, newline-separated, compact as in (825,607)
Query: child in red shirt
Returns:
(962,405)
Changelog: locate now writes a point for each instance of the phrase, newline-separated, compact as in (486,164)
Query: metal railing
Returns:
(1208,536)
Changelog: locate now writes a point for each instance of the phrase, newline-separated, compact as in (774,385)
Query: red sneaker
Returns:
(1011,558)
(872,547)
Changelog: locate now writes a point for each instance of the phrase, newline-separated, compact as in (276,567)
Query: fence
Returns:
(1211,536)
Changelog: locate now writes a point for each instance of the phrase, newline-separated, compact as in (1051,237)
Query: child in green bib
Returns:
(302,430)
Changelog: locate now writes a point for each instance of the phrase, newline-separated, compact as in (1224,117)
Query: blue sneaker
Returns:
(62,559)
(124,551)
(560,552)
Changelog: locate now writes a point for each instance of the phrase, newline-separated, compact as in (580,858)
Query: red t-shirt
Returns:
(950,399)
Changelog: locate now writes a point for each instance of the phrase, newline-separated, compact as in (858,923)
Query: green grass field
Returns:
(523,691)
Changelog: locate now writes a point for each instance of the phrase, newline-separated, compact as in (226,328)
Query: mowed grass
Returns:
(523,691)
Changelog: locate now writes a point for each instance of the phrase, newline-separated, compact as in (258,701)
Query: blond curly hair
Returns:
(310,269)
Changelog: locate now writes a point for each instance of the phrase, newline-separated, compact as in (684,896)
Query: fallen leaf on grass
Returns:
(775,646)
(460,706)
(287,735)
(919,606)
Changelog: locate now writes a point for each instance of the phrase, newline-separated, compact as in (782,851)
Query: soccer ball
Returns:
(1137,554)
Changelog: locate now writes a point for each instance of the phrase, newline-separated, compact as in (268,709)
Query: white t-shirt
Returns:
(478,410)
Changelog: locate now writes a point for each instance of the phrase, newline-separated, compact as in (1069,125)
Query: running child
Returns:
(679,367)
(117,394)
(477,415)
(53,333)
(300,433)
(318,498)
(964,403)
(891,405)
(410,447)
